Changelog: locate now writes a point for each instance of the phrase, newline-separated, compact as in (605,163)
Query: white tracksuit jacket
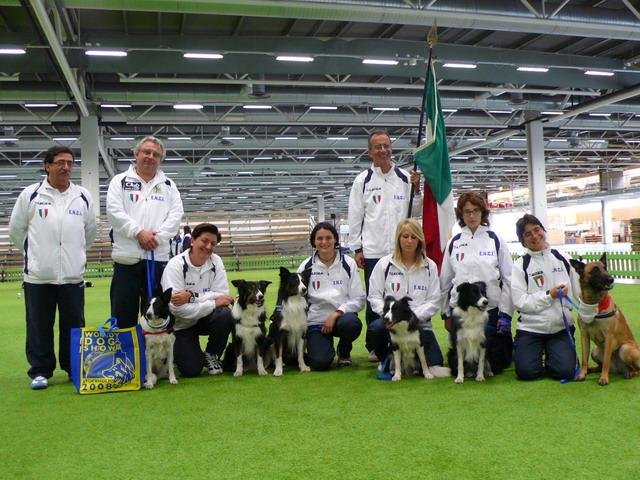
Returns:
(53,229)
(331,288)
(209,281)
(420,283)
(539,313)
(134,205)
(375,208)
(474,258)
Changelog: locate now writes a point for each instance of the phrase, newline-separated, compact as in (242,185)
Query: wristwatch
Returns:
(193,297)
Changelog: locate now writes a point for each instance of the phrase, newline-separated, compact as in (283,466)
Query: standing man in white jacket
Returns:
(53,222)
(201,303)
(144,209)
(379,199)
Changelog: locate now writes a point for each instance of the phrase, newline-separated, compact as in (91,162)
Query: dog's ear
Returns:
(237,283)
(603,259)
(577,265)
(461,286)
(166,295)
(406,300)
(283,272)
(264,284)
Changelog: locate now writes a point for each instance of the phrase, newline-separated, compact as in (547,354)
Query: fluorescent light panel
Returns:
(257,107)
(106,53)
(40,105)
(386,109)
(533,69)
(188,106)
(12,51)
(203,55)
(376,61)
(178,138)
(115,105)
(337,138)
(294,58)
(322,107)
(599,73)
(460,65)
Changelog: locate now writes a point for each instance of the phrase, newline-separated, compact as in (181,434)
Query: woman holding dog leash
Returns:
(479,254)
(545,327)
(335,297)
(408,272)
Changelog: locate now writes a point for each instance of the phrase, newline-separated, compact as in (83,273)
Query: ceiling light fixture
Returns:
(12,51)
(599,73)
(376,61)
(337,138)
(122,138)
(256,107)
(40,105)
(178,138)
(551,112)
(322,107)
(188,106)
(460,65)
(286,138)
(449,110)
(115,105)
(65,139)
(533,69)
(233,138)
(203,55)
(595,114)
(386,109)
(263,158)
(106,53)
(294,58)
(8,139)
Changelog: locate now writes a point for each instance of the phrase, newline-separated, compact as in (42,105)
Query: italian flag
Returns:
(432,158)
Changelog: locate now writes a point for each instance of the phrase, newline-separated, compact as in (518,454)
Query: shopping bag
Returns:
(107,358)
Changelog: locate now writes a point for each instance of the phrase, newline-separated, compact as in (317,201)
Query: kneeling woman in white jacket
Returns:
(335,297)
(408,272)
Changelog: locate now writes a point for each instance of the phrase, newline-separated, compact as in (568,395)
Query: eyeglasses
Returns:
(153,153)
(381,146)
(63,163)
(469,213)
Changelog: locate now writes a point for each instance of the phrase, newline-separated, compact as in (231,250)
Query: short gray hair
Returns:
(152,139)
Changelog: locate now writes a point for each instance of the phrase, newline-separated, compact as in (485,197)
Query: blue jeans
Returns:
(556,348)
(320,351)
(382,347)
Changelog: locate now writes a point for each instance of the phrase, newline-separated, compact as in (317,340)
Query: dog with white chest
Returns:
(404,332)
(468,351)
(250,343)
(288,326)
(157,329)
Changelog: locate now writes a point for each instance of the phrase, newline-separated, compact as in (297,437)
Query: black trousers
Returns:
(128,292)
(41,301)
(320,351)
(188,354)
(370,315)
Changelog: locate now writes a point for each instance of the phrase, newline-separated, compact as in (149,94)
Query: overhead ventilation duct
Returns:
(516,99)
(258,90)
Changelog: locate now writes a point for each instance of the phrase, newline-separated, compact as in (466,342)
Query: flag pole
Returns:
(432,38)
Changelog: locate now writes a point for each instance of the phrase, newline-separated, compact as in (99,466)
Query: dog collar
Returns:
(166,330)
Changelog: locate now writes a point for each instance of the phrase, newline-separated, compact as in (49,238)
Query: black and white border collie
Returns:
(468,349)
(249,334)
(157,329)
(288,326)
(406,343)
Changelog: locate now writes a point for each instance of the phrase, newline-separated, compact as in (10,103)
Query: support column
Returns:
(607,233)
(90,168)
(320,208)
(536,169)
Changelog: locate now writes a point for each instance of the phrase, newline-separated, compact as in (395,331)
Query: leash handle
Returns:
(151,274)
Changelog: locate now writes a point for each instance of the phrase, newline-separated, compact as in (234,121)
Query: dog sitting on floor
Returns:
(468,346)
(288,326)
(602,322)
(157,329)
(249,344)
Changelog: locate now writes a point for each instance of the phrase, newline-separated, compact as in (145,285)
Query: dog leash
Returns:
(151,275)
(568,330)
(384,374)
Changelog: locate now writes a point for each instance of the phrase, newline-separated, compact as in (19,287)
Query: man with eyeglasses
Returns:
(379,199)
(144,209)
(54,222)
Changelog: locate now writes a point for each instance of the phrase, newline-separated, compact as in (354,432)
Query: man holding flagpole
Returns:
(379,199)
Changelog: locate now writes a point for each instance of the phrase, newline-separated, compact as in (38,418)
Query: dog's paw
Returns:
(277,372)
(479,378)
(428,375)
(581,377)
(459,379)
(237,373)
(304,368)
(173,381)
(603,381)
(262,372)
(396,378)
(148,385)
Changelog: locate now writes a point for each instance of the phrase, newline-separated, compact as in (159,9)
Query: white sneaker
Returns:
(212,363)
(39,383)
(373,358)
